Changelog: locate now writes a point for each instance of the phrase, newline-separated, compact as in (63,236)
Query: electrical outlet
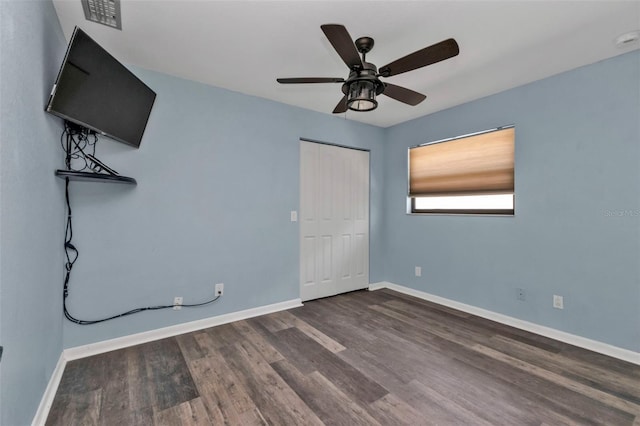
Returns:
(177,303)
(418,271)
(219,289)
(558,302)
(521,295)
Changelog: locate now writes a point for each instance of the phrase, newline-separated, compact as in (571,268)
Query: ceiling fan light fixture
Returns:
(363,84)
(362,96)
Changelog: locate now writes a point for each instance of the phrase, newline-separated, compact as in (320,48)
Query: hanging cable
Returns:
(75,141)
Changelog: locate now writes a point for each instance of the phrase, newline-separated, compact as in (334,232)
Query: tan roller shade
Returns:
(480,164)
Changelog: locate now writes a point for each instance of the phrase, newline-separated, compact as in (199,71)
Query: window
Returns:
(465,175)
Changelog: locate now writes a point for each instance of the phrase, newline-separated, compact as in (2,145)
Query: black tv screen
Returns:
(96,91)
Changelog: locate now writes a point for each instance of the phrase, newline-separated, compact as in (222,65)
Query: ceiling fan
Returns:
(363,84)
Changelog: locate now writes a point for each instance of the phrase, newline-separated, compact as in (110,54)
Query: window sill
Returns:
(474,213)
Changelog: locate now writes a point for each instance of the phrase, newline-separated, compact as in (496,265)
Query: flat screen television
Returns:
(96,91)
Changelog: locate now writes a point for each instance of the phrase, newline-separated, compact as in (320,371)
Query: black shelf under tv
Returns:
(94,177)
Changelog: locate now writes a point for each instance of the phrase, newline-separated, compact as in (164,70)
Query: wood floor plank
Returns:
(330,404)
(425,304)
(453,322)
(291,353)
(540,399)
(274,322)
(413,341)
(343,375)
(374,368)
(167,369)
(114,406)
(189,413)
(383,372)
(190,347)
(218,337)
(140,385)
(75,381)
(461,390)
(482,325)
(76,410)
(470,405)
(269,353)
(391,410)
(345,329)
(452,332)
(544,393)
(312,332)
(603,361)
(440,408)
(617,384)
(596,394)
(360,358)
(455,341)
(79,376)
(143,417)
(403,358)
(224,398)
(277,402)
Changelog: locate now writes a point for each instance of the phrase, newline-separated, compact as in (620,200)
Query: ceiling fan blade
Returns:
(309,80)
(429,55)
(342,106)
(343,43)
(403,94)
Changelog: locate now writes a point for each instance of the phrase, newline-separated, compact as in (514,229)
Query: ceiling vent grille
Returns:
(106,12)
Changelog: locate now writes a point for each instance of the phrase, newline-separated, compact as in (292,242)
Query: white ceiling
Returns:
(244,45)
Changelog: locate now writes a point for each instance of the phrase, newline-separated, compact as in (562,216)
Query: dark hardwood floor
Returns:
(363,358)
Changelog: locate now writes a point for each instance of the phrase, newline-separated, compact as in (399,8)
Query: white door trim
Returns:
(334,219)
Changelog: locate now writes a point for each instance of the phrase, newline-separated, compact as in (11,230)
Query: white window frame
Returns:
(474,205)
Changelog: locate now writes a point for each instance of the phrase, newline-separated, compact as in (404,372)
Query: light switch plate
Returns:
(294,216)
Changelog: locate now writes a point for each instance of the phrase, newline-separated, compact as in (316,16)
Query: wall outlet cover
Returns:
(219,289)
(177,303)
(558,302)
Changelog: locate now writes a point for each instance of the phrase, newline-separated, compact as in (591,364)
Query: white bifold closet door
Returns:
(334,220)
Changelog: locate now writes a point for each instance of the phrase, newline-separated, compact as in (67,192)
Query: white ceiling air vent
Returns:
(106,12)
(628,39)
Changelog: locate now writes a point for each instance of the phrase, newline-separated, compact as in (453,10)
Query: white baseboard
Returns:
(50,392)
(187,327)
(552,333)
(78,352)
(379,285)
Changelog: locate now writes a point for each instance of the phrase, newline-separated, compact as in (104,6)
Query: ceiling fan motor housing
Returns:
(362,87)
(369,72)
(364,44)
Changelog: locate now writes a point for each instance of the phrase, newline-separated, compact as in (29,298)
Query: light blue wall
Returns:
(217,176)
(576,231)
(31,207)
